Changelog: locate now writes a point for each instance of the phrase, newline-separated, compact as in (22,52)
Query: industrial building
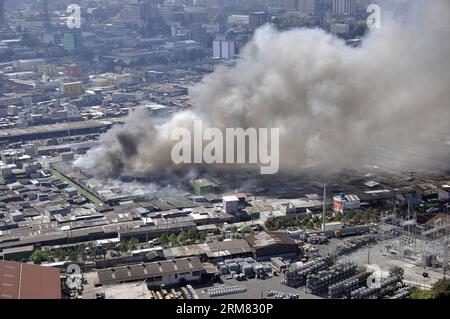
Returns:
(203,186)
(168,272)
(214,251)
(344,202)
(149,232)
(17,253)
(26,281)
(53,130)
(269,244)
(230,204)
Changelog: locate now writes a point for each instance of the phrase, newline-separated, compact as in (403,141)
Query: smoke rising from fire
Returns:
(330,101)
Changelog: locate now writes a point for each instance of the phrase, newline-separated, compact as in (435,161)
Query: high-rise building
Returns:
(324,6)
(72,40)
(257,19)
(152,16)
(308,6)
(166,11)
(223,48)
(2,13)
(199,34)
(344,7)
(289,5)
(132,13)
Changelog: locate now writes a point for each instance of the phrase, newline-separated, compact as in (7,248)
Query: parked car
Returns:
(257,227)
(100,295)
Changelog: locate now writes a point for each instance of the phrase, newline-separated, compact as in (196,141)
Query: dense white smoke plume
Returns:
(330,101)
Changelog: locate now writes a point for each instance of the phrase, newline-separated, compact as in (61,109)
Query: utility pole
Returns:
(408,218)
(324,206)
(146,228)
(446,242)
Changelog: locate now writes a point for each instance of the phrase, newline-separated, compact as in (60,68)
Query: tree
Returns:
(82,255)
(59,254)
(96,252)
(358,217)
(234,229)
(396,271)
(132,244)
(173,239)
(192,234)
(181,237)
(297,222)
(416,293)
(246,230)
(110,246)
(202,235)
(38,256)
(73,256)
(349,215)
(278,224)
(441,288)
(164,239)
(123,247)
(103,252)
(305,222)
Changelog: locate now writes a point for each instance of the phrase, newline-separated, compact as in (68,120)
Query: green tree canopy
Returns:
(416,293)
(396,271)
(164,239)
(182,237)
(132,244)
(38,256)
(441,288)
(173,239)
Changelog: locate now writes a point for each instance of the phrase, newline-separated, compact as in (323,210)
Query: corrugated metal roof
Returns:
(146,270)
(26,281)
(264,239)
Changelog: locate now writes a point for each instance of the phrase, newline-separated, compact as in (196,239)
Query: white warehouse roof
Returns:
(230,198)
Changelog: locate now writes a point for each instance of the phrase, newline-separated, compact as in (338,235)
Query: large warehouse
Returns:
(214,251)
(266,245)
(167,272)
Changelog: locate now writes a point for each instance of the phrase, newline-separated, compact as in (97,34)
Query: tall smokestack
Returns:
(324,206)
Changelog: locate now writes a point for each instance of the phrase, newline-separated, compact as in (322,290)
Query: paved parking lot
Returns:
(257,288)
